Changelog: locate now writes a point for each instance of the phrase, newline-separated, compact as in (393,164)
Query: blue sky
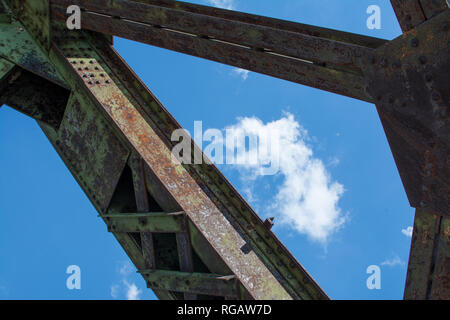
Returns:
(337,143)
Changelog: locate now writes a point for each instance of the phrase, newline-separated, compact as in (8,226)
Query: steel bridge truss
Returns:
(187,230)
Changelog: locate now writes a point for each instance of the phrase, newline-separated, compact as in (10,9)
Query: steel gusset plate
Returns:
(409,78)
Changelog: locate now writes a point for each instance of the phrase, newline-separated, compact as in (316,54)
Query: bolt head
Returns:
(423,59)
(414,42)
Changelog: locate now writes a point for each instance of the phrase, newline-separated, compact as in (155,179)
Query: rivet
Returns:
(423,59)
(414,42)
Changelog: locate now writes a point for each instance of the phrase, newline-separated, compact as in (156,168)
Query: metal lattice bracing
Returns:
(187,230)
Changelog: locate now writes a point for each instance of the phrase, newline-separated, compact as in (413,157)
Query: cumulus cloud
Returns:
(307,197)
(124,287)
(225,4)
(408,232)
(393,262)
(241,73)
(132,291)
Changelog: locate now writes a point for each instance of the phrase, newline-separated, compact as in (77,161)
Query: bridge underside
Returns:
(187,230)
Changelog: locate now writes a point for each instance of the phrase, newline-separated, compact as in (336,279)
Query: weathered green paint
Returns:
(148,222)
(220,191)
(207,284)
(5,68)
(428,268)
(5,16)
(19,47)
(35,16)
(90,149)
(183,188)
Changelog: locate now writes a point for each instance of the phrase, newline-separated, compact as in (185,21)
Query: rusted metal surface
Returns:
(409,13)
(35,15)
(315,31)
(310,73)
(111,114)
(19,47)
(219,190)
(429,261)
(201,211)
(288,43)
(432,8)
(90,149)
(146,222)
(198,283)
(409,80)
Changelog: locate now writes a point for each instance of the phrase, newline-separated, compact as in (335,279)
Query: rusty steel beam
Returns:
(411,13)
(288,43)
(429,268)
(153,222)
(187,282)
(339,73)
(408,78)
(300,28)
(111,119)
(432,8)
(105,89)
(100,80)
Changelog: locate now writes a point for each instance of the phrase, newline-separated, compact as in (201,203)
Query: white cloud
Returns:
(125,268)
(133,293)
(408,232)
(115,289)
(395,261)
(129,290)
(225,4)
(241,72)
(307,198)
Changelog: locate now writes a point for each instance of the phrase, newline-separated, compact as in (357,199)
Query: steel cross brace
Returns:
(407,78)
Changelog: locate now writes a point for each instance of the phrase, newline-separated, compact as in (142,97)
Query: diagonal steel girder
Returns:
(184,226)
(317,57)
(365,68)
(407,81)
(428,275)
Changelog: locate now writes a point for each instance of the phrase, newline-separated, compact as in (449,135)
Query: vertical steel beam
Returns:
(411,13)
(429,262)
